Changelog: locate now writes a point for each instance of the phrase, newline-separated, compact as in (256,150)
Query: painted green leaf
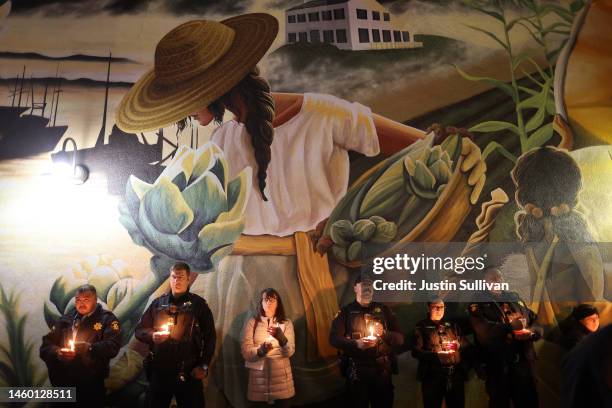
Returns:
(181,162)
(206,198)
(507,89)
(423,176)
(204,159)
(213,237)
(494,146)
(558,10)
(490,35)
(540,136)
(532,34)
(494,126)
(551,28)
(166,208)
(537,119)
(238,192)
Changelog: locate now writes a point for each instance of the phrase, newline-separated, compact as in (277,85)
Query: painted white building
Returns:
(347,24)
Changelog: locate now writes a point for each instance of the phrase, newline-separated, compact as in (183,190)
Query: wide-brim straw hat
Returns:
(195,64)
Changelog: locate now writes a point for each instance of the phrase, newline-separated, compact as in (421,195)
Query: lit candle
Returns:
(371,336)
(165,328)
(70,347)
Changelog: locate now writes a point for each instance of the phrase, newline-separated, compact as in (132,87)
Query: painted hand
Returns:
(475,166)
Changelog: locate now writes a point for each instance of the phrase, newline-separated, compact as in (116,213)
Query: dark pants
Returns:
(282,403)
(436,389)
(372,387)
(163,386)
(511,383)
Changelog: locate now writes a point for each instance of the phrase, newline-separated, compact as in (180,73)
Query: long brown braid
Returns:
(255,93)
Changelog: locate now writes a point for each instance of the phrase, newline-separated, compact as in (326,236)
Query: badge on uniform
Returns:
(115,325)
(377,310)
(473,307)
(97,326)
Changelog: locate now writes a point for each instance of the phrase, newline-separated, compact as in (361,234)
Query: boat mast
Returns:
(15,92)
(59,90)
(32,93)
(100,140)
(21,88)
(44,103)
(54,91)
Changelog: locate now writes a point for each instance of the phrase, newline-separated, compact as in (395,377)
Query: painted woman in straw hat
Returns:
(298,147)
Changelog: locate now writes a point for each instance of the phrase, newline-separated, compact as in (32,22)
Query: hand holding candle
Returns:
(520,330)
(163,334)
(449,347)
(371,336)
(67,353)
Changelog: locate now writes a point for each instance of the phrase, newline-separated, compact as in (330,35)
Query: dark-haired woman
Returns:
(564,262)
(267,343)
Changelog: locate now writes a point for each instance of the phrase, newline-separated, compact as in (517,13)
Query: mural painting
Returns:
(287,145)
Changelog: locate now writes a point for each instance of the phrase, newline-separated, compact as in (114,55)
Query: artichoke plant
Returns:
(392,199)
(350,240)
(192,213)
(113,282)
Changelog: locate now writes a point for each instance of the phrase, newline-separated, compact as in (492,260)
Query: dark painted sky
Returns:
(85,7)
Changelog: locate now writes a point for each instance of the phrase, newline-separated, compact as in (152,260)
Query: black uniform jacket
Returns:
(350,325)
(192,336)
(429,338)
(101,329)
(490,320)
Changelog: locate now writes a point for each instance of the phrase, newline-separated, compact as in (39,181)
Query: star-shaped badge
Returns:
(98,326)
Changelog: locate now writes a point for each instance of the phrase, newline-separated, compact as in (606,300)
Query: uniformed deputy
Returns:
(503,329)
(438,345)
(179,328)
(79,347)
(365,332)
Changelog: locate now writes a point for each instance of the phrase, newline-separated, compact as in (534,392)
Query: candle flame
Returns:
(372,331)
(71,345)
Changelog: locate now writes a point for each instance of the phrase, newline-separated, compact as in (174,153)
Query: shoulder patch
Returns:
(115,325)
(377,309)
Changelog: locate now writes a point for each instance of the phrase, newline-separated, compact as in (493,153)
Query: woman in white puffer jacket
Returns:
(268,342)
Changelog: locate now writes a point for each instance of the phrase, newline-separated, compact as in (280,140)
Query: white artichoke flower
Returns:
(193,212)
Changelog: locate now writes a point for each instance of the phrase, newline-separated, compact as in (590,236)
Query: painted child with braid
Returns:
(548,182)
